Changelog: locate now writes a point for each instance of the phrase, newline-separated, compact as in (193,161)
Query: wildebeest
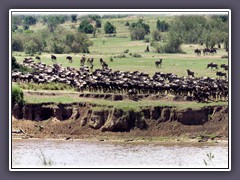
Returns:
(206,50)
(158,62)
(224,66)
(101,61)
(69,58)
(90,60)
(53,58)
(220,74)
(198,51)
(38,58)
(212,65)
(212,51)
(190,73)
(82,61)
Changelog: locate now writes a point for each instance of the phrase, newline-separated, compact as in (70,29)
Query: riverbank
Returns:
(104,123)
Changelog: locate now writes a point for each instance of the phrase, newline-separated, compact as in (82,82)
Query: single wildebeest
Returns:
(224,66)
(158,62)
(82,61)
(212,65)
(38,58)
(53,58)
(212,51)
(198,51)
(69,58)
(220,74)
(190,73)
(206,50)
(101,61)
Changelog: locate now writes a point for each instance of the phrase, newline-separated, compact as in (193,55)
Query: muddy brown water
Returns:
(92,154)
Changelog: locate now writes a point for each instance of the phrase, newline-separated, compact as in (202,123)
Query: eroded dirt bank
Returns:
(83,120)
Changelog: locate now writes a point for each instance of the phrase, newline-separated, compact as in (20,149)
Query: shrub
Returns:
(17,96)
(146,39)
(109,28)
(156,35)
(85,27)
(98,23)
(138,33)
(30,47)
(162,26)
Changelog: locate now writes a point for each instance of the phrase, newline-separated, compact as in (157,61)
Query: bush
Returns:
(156,35)
(85,27)
(98,23)
(162,26)
(146,39)
(17,96)
(138,33)
(109,28)
(30,47)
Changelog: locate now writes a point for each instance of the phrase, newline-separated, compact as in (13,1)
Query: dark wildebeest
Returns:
(90,60)
(206,50)
(212,51)
(38,58)
(69,58)
(158,62)
(53,58)
(82,61)
(190,73)
(220,74)
(198,51)
(212,65)
(224,66)
(101,61)
(104,65)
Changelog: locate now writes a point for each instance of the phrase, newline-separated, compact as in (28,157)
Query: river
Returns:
(30,153)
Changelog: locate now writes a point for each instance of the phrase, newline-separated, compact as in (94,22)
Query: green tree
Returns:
(85,27)
(140,24)
(138,33)
(30,47)
(98,23)
(156,35)
(139,30)
(17,42)
(74,18)
(53,22)
(162,25)
(109,28)
(29,20)
(17,96)
(14,27)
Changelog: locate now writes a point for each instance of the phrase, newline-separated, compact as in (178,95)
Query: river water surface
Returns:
(88,154)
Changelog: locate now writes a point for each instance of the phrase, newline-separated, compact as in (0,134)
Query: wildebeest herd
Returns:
(106,80)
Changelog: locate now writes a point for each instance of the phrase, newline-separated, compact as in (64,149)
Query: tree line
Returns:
(166,37)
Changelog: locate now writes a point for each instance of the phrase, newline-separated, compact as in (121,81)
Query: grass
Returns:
(106,48)
(47,86)
(126,104)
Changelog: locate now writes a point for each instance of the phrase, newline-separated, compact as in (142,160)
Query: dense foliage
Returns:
(85,27)
(59,41)
(17,96)
(162,25)
(109,28)
(138,30)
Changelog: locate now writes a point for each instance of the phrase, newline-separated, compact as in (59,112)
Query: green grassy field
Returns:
(126,104)
(104,47)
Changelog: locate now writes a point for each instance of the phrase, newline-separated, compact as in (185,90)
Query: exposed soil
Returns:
(85,120)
